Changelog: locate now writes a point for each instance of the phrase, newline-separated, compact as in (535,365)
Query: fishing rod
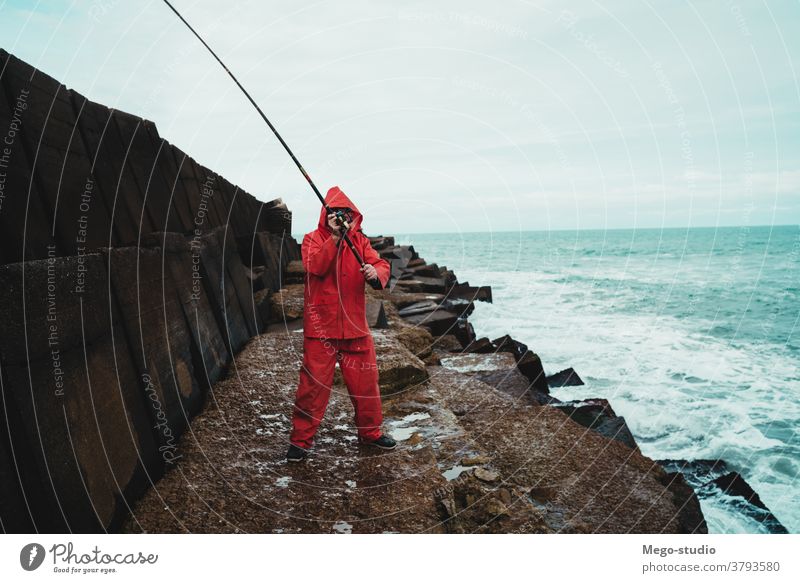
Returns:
(340,216)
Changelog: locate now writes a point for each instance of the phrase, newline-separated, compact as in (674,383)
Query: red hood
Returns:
(337,198)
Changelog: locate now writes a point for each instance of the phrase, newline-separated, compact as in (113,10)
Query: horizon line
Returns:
(402,233)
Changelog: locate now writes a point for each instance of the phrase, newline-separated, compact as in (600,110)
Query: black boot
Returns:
(383,442)
(296,454)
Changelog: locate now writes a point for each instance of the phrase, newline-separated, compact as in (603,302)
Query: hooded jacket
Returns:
(334,291)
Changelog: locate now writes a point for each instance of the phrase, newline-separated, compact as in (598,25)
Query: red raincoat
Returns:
(334,292)
(335,328)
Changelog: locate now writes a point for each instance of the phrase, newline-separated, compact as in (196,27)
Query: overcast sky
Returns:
(459,116)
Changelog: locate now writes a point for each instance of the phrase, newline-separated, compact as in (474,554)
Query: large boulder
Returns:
(381,242)
(287,303)
(471,363)
(733,484)
(528,362)
(224,282)
(418,340)
(564,378)
(160,340)
(294,272)
(424,269)
(73,398)
(468,292)
(480,345)
(514,383)
(181,264)
(403,299)
(499,370)
(438,322)
(267,251)
(461,308)
(598,415)
(399,369)
(376,315)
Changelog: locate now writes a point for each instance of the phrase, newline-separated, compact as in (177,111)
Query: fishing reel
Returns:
(344,217)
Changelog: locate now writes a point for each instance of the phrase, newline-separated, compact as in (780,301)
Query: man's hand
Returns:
(369,271)
(336,228)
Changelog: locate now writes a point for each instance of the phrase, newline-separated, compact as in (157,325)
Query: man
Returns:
(335,329)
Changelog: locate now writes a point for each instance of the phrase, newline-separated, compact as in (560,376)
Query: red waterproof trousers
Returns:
(356,358)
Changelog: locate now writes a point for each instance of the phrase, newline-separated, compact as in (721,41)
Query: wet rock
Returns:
(480,345)
(263,305)
(431,284)
(294,272)
(423,270)
(418,340)
(415,439)
(420,284)
(514,383)
(403,299)
(543,492)
(438,323)
(473,363)
(158,333)
(61,378)
(696,472)
(209,350)
(733,484)
(528,362)
(449,278)
(14,514)
(495,508)
(475,460)
(398,368)
(256,277)
(564,378)
(423,307)
(398,254)
(271,251)
(229,294)
(468,292)
(420,312)
(685,499)
(376,315)
(460,307)
(381,242)
(285,327)
(485,475)
(275,218)
(598,415)
(448,343)
(508,344)
(464,331)
(287,303)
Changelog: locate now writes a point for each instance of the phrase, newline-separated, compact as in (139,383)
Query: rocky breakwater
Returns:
(483,447)
(129,274)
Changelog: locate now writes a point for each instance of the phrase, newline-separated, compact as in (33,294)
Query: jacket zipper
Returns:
(340,308)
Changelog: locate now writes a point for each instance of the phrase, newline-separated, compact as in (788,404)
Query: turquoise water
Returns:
(692,335)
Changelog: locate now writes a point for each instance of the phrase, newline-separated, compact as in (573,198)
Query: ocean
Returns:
(691,334)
